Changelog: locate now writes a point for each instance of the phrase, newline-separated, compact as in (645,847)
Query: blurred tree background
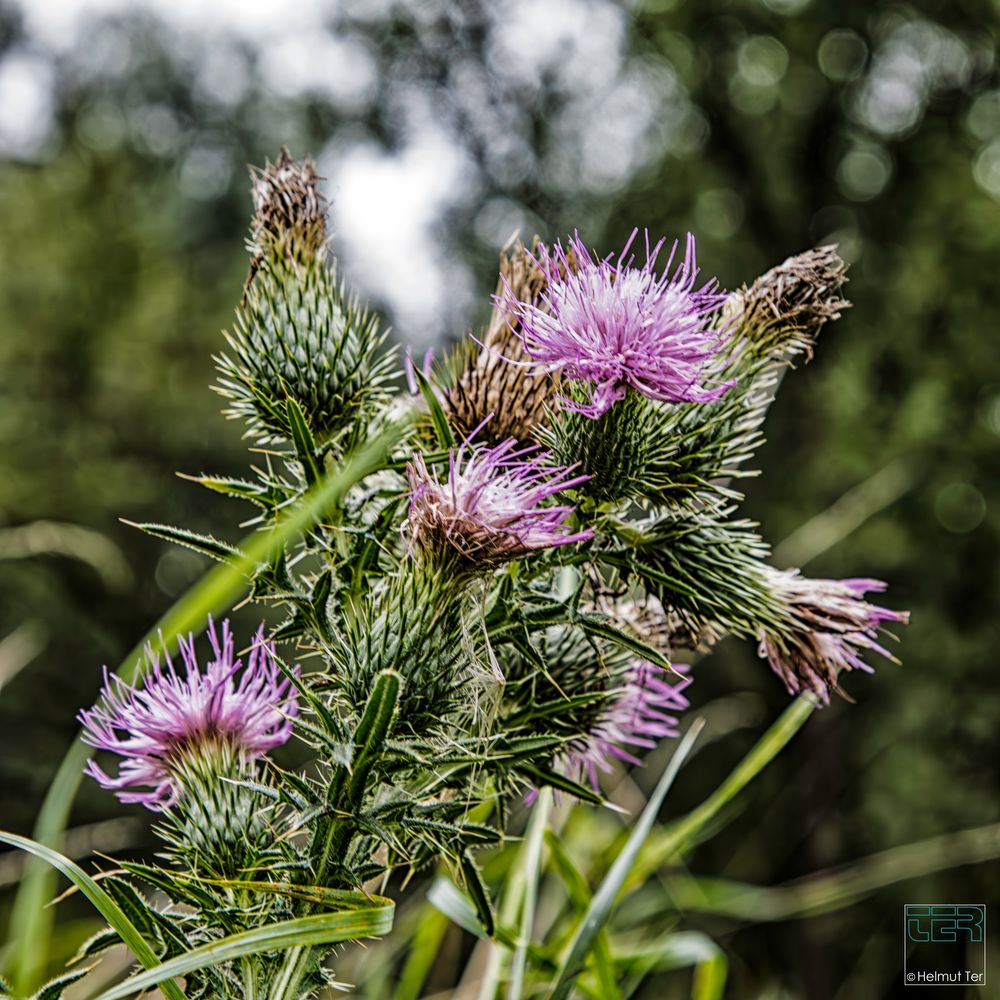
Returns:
(763,126)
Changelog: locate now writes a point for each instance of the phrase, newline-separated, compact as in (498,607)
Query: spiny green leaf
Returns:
(546,776)
(441,426)
(205,544)
(305,443)
(94,945)
(265,495)
(478,892)
(595,625)
(374,727)
(54,989)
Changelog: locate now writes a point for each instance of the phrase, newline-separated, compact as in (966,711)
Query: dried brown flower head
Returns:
(830,628)
(288,207)
(785,308)
(488,383)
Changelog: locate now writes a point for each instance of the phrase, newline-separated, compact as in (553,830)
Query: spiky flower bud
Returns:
(491,508)
(785,308)
(831,627)
(299,334)
(619,328)
(489,384)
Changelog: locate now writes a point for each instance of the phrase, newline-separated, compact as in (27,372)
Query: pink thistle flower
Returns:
(621,327)
(833,627)
(638,714)
(489,509)
(166,721)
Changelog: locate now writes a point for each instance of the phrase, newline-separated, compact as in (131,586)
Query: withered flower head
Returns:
(288,207)
(832,627)
(488,384)
(492,507)
(785,308)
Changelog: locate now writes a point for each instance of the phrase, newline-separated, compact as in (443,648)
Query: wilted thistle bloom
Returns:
(488,383)
(833,626)
(639,711)
(288,206)
(619,327)
(168,725)
(785,308)
(490,507)
(299,334)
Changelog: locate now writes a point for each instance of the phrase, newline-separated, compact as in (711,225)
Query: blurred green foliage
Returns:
(784,123)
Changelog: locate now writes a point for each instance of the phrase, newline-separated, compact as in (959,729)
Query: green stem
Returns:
(532,854)
(293,970)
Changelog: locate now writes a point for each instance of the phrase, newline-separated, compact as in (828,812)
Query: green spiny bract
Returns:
(300,335)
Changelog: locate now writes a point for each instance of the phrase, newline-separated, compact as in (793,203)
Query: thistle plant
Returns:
(488,601)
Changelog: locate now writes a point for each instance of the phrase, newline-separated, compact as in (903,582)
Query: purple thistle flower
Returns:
(637,715)
(488,510)
(833,627)
(618,326)
(167,721)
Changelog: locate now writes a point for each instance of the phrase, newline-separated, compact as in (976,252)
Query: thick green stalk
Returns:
(369,743)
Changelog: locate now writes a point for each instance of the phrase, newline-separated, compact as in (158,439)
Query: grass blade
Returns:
(665,844)
(579,894)
(680,951)
(604,900)
(215,592)
(104,904)
(824,892)
(321,928)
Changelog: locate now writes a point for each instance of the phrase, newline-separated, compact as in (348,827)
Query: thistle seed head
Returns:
(785,308)
(289,210)
(489,383)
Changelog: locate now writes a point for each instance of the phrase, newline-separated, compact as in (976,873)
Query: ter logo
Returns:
(945,922)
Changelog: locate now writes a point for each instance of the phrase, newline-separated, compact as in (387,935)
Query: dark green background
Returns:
(115,282)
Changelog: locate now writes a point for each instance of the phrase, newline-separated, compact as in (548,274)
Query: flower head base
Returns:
(833,626)
(639,713)
(489,509)
(620,327)
(169,724)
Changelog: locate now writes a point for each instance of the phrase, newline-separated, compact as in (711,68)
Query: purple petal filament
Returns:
(166,718)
